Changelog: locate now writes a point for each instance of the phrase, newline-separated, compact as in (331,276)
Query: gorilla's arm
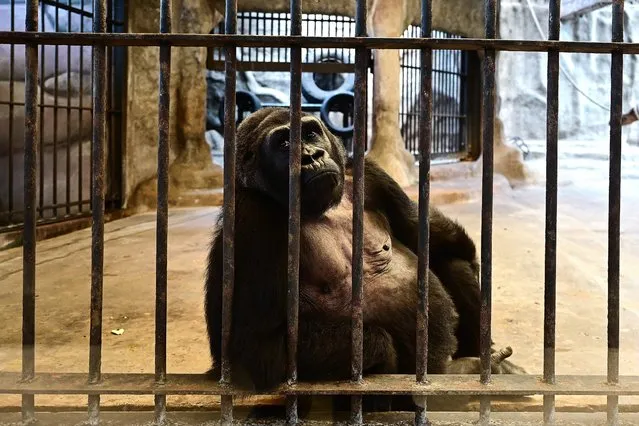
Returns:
(452,252)
(447,238)
(257,347)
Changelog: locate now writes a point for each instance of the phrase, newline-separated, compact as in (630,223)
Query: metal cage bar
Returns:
(228,273)
(425,141)
(11,112)
(294,205)
(614,207)
(162,211)
(550,269)
(488,106)
(359,146)
(240,40)
(97,205)
(31,139)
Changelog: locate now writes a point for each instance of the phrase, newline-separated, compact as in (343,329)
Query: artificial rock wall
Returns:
(522,76)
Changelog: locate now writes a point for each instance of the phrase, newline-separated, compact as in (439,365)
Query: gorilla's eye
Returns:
(326,289)
(311,135)
(284,144)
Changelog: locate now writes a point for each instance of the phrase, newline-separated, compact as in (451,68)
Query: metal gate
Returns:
(329,71)
(160,384)
(65,109)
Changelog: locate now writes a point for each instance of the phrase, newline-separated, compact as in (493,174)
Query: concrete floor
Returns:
(63,285)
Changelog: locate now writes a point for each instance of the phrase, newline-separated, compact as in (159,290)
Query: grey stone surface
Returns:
(522,78)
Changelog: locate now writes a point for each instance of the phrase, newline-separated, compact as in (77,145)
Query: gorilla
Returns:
(257,349)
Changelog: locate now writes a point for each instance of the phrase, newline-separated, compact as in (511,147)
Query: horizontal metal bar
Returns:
(319,67)
(57,107)
(201,384)
(224,40)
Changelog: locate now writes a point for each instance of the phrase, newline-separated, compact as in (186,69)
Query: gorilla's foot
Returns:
(499,364)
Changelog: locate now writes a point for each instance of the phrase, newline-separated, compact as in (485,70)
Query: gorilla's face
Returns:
(322,166)
(263,145)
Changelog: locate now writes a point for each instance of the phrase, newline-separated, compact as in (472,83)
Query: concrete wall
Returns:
(522,76)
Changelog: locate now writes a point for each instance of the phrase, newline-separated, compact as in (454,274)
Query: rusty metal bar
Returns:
(202,384)
(550,278)
(80,109)
(488,106)
(359,147)
(614,207)
(164,109)
(97,206)
(11,112)
(318,67)
(54,161)
(68,129)
(228,231)
(226,40)
(294,206)
(425,141)
(42,114)
(31,137)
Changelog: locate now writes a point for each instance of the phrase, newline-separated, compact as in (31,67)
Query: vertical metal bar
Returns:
(31,137)
(359,146)
(11,112)
(80,114)
(437,76)
(56,108)
(228,232)
(550,279)
(425,126)
(97,205)
(614,207)
(42,117)
(462,111)
(162,211)
(446,89)
(109,108)
(68,145)
(294,206)
(488,105)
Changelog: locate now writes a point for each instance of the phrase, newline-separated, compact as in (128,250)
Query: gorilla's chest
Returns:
(326,245)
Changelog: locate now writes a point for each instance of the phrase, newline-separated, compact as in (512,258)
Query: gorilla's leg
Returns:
(459,279)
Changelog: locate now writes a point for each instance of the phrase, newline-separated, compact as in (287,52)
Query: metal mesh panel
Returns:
(328,67)
(65,108)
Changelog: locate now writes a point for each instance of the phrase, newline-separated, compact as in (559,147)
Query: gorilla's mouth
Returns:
(319,191)
(311,176)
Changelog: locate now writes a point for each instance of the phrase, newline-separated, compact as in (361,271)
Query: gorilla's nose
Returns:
(312,154)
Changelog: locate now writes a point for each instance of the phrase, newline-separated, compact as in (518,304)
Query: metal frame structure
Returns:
(161,384)
(70,207)
(450,74)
